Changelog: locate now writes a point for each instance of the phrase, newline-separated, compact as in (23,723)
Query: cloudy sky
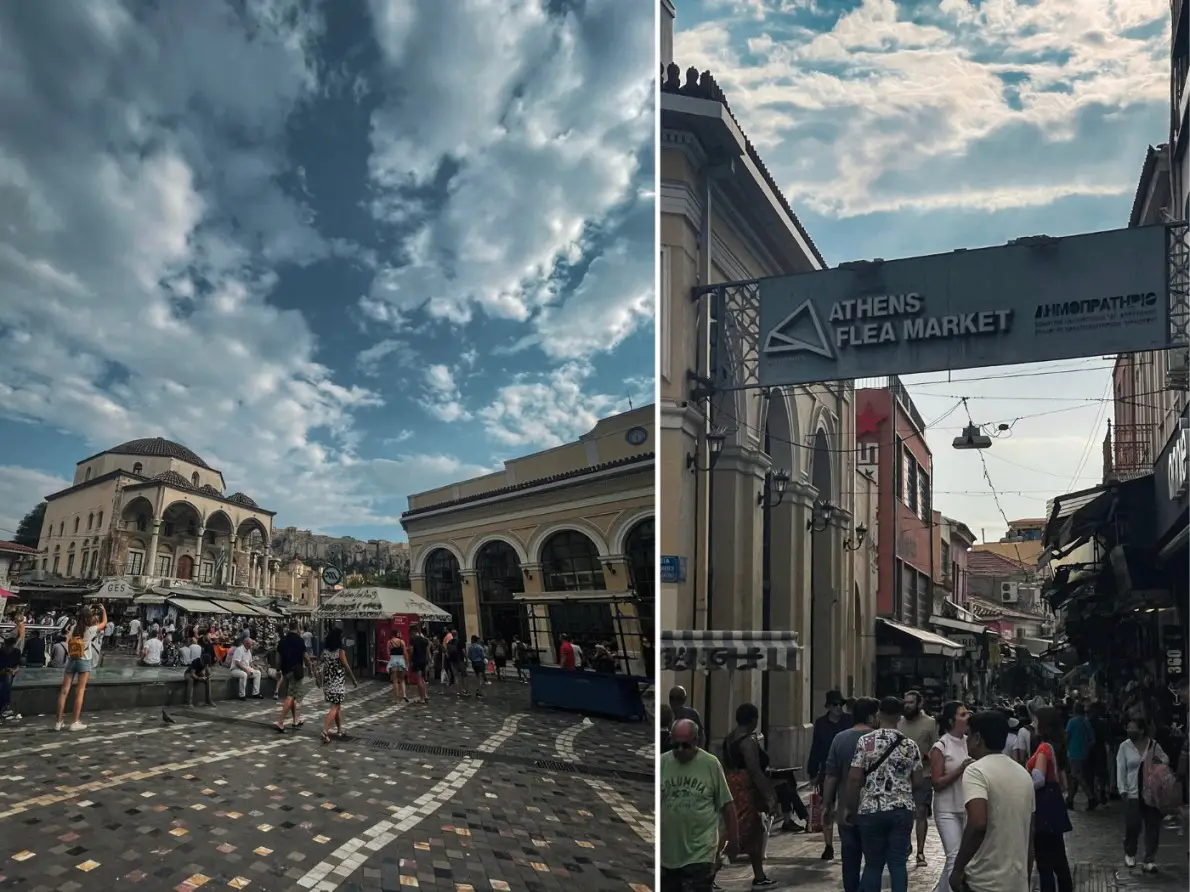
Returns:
(344,251)
(914,127)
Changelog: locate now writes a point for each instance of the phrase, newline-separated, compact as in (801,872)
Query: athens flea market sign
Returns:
(1085,295)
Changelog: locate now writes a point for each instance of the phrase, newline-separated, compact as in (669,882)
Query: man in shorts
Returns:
(478,657)
(419,661)
(922,729)
(294,665)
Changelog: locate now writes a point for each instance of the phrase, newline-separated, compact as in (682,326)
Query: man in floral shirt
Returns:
(880,795)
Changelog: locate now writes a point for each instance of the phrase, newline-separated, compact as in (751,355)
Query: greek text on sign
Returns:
(351,608)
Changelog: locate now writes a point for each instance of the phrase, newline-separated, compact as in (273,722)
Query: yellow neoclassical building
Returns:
(151,510)
(558,541)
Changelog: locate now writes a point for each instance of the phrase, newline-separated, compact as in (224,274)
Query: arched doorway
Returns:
(444,586)
(185,567)
(640,553)
(498,577)
(570,563)
(823,598)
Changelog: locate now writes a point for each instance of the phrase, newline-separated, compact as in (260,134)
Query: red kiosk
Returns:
(368,617)
(398,626)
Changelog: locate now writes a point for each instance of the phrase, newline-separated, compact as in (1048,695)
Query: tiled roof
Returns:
(174,479)
(240,499)
(207,490)
(988,563)
(991,610)
(160,447)
(12,547)
(530,484)
(703,86)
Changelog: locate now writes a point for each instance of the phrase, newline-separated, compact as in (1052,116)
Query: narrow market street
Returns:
(1094,848)
(464,795)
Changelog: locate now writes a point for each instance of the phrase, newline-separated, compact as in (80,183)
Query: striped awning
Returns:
(711,650)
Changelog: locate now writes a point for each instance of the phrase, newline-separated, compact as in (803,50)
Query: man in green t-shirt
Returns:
(694,800)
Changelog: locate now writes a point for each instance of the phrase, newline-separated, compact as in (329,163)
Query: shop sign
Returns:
(1174,648)
(673,568)
(351,609)
(1172,477)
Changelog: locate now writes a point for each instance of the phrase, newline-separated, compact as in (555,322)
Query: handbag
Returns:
(1051,815)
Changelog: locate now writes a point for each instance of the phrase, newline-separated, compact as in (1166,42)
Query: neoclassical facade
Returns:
(573,525)
(153,510)
(754,562)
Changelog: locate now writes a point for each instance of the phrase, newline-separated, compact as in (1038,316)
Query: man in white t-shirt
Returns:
(996,853)
(242,670)
(134,632)
(150,654)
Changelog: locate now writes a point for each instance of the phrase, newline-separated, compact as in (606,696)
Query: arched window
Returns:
(570,563)
(444,585)
(61,527)
(142,523)
(137,468)
(87,478)
(498,576)
(70,560)
(76,525)
(194,478)
(99,521)
(90,521)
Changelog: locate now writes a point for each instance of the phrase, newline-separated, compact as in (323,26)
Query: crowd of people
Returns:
(999,783)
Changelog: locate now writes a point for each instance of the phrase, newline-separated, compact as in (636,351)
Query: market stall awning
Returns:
(380,603)
(1050,669)
(711,650)
(235,607)
(958,625)
(195,605)
(931,644)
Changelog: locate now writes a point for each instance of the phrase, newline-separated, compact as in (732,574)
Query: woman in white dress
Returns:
(948,761)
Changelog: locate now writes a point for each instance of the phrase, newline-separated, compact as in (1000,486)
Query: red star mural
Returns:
(867,422)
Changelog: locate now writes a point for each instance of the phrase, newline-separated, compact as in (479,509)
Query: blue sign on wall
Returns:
(673,568)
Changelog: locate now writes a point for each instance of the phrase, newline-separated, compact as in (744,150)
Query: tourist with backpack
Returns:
(80,657)
(1147,786)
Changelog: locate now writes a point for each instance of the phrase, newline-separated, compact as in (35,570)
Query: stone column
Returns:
(843,629)
(196,572)
(470,584)
(151,556)
(228,574)
(736,555)
(266,572)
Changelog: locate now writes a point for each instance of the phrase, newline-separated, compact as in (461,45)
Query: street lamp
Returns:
(775,483)
(856,542)
(716,437)
(820,516)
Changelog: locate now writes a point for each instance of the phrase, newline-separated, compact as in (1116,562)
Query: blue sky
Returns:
(344,251)
(913,127)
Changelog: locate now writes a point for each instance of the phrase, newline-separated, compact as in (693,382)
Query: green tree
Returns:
(29,529)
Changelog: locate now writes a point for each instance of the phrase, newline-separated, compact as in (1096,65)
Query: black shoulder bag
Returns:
(869,771)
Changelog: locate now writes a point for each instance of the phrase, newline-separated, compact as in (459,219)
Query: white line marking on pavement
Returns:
(68,739)
(326,876)
(641,824)
(107,783)
(307,704)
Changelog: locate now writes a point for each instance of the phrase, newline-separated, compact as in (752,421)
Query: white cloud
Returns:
(443,399)
(971,107)
(20,491)
(532,168)
(144,226)
(538,412)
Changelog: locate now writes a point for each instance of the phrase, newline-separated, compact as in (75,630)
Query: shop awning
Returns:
(958,625)
(195,605)
(149,599)
(1050,669)
(237,608)
(1075,517)
(931,644)
(713,650)
(380,604)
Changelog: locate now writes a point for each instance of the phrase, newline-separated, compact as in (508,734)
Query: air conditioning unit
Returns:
(1009,593)
(1177,368)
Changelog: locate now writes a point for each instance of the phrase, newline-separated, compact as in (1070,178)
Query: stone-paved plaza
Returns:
(462,795)
(1095,850)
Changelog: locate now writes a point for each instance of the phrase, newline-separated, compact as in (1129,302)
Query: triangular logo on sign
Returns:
(799,332)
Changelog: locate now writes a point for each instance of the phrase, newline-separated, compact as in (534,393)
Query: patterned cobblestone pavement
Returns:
(1095,849)
(462,795)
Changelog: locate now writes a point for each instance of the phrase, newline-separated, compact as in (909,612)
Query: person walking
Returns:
(885,768)
(419,661)
(397,666)
(1047,766)
(293,662)
(1080,737)
(996,852)
(1132,759)
(80,653)
(334,672)
(838,766)
(826,726)
(695,801)
(949,759)
(922,729)
(477,656)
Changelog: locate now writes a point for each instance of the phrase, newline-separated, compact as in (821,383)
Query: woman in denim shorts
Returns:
(78,666)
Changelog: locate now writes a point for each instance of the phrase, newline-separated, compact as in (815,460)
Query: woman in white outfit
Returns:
(948,761)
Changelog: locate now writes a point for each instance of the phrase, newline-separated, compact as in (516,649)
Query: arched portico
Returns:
(581,526)
(476,547)
(421,559)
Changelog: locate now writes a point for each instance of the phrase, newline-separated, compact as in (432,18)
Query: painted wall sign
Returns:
(1083,295)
